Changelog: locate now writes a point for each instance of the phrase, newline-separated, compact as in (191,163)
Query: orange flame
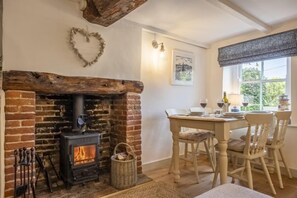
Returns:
(84,154)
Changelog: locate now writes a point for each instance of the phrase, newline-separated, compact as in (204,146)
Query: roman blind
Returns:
(283,44)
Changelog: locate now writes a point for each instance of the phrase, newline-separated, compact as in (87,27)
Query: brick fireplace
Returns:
(37,111)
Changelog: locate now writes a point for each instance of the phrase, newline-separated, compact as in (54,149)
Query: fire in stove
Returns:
(84,154)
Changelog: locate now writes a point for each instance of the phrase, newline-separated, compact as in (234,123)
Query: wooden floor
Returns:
(189,185)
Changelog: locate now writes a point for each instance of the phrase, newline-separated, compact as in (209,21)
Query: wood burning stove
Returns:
(79,157)
(79,150)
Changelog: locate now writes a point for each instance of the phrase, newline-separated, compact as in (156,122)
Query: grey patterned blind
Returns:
(273,46)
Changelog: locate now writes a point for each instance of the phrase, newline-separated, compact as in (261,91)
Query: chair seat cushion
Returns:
(195,135)
(269,139)
(236,145)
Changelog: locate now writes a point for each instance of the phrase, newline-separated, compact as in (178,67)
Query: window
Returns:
(261,83)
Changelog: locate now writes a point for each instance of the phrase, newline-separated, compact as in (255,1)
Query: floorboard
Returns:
(189,185)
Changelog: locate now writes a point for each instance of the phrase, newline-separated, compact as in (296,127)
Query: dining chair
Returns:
(193,137)
(276,143)
(253,147)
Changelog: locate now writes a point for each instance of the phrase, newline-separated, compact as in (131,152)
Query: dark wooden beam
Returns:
(106,12)
(55,84)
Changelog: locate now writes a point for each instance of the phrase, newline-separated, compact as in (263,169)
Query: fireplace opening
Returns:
(108,116)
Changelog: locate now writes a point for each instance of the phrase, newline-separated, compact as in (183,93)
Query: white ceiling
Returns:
(205,21)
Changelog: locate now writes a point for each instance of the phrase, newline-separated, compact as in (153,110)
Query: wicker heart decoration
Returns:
(80,46)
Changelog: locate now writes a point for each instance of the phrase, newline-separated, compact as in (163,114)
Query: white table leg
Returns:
(222,134)
(175,147)
(223,161)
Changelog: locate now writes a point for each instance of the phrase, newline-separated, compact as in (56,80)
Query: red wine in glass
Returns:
(203,104)
(245,104)
(220,104)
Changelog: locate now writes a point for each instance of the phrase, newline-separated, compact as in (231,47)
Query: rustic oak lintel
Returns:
(56,84)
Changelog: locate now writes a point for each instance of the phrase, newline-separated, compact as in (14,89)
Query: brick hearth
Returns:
(34,119)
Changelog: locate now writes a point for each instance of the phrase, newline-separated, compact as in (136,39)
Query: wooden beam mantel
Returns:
(56,84)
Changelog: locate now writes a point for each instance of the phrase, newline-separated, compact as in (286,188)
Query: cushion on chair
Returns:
(269,139)
(236,145)
(232,191)
(195,135)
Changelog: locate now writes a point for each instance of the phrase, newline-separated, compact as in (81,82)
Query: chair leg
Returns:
(267,175)
(284,162)
(213,151)
(171,165)
(195,161)
(210,157)
(249,174)
(234,161)
(186,152)
(244,165)
(277,168)
(215,177)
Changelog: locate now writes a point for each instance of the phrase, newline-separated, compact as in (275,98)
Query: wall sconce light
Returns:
(155,45)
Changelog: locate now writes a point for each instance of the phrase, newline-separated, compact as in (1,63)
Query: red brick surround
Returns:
(19,129)
(20,107)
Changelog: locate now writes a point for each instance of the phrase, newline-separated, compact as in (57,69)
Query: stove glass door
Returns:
(84,154)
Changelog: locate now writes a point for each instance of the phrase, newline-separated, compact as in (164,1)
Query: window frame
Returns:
(236,81)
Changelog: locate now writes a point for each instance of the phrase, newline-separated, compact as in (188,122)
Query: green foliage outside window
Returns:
(251,89)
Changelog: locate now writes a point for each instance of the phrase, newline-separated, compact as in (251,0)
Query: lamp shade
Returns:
(235,99)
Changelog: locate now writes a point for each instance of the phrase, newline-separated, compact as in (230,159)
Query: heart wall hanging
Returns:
(88,46)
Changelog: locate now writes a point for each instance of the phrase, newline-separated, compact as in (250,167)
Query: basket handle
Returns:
(122,143)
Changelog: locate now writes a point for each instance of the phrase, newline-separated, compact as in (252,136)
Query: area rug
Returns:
(151,189)
(91,189)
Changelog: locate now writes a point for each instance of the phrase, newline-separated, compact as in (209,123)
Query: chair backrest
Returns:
(282,121)
(170,112)
(259,125)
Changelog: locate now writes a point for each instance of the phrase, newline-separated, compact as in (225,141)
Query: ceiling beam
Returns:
(236,11)
(172,36)
(106,12)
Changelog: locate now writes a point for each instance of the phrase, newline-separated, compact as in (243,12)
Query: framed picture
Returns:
(182,68)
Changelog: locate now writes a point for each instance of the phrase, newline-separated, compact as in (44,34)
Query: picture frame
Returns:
(182,68)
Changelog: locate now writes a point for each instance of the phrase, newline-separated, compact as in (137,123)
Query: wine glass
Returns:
(245,103)
(220,104)
(203,103)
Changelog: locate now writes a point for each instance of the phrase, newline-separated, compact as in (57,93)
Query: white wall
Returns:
(159,94)
(214,84)
(36,38)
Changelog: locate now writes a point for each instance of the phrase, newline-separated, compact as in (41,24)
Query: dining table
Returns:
(221,126)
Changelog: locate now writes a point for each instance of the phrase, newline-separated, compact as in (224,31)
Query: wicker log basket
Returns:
(123,171)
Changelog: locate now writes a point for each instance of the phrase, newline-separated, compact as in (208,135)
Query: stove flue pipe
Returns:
(78,110)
